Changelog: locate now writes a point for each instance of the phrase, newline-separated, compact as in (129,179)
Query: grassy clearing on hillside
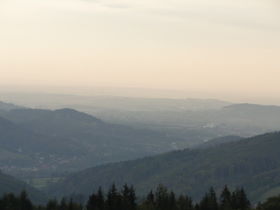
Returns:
(41,183)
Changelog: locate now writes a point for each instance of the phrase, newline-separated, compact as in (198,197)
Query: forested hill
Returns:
(253,163)
(9,184)
(67,140)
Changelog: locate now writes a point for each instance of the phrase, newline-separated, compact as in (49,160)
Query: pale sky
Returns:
(203,45)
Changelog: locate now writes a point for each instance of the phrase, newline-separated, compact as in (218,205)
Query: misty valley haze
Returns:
(139,105)
(43,147)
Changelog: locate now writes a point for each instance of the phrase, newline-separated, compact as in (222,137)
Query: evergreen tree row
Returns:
(161,199)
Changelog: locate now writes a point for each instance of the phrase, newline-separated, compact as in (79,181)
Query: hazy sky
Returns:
(215,46)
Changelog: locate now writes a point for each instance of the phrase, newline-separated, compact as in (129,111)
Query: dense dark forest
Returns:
(126,199)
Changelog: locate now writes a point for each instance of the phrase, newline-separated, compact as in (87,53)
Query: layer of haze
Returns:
(217,46)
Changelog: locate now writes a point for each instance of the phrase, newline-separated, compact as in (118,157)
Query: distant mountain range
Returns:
(195,120)
(113,103)
(253,163)
(237,119)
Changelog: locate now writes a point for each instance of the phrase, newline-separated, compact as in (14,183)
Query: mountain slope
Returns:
(24,151)
(8,106)
(253,163)
(75,140)
(16,138)
(86,129)
(218,141)
(8,184)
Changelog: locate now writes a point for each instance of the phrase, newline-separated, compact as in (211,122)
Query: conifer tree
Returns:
(96,201)
(240,200)
(164,200)
(25,203)
(149,202)
(52,205)
(184,203)
(161,198)
(114,199)
(128,198)
(100,199)
(63,204)
(209,201)
(172,201)
(226,199)
(213,203)
(151,197)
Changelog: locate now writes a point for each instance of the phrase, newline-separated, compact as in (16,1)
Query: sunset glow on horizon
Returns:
(229,45)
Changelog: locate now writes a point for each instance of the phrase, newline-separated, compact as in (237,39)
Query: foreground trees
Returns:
(12,202)
(161,199)
(271,204)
